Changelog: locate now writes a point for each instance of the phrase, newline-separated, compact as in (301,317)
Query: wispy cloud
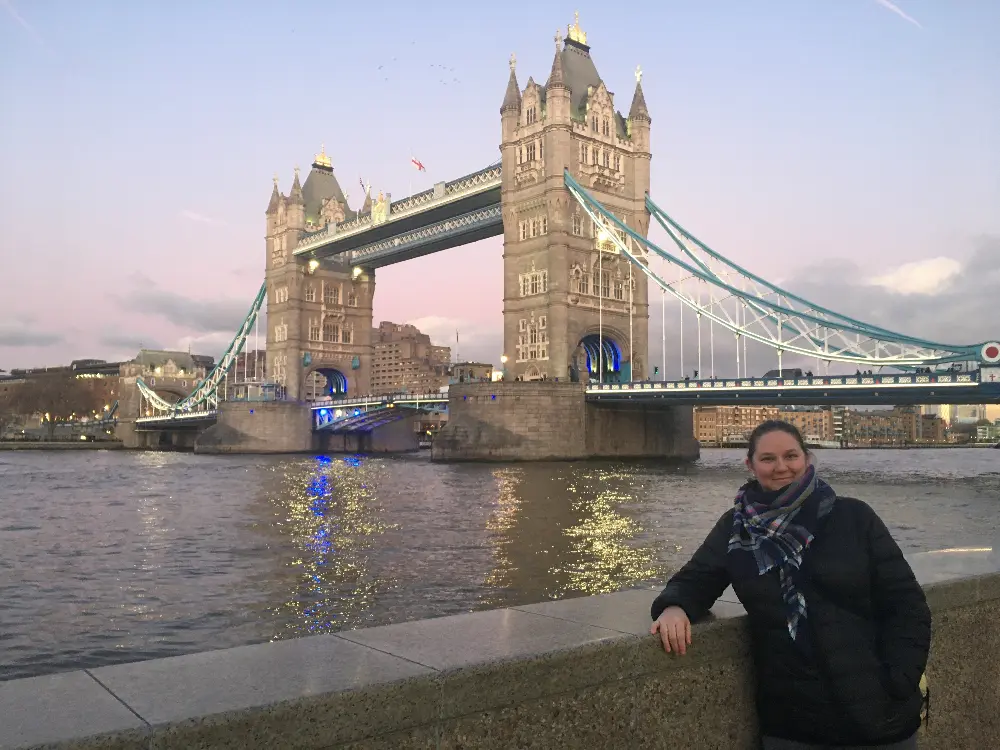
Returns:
(24,337)
(198,315)
(892,7)
(12,11)
(197,217)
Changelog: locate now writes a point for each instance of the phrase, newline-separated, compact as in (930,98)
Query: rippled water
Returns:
(110,557)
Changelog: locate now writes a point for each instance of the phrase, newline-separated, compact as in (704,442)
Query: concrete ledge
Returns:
(578,673)
(78,445)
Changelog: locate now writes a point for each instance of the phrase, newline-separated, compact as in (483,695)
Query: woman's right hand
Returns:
(674,628)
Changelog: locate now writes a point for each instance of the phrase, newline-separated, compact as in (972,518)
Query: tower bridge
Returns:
(571,197)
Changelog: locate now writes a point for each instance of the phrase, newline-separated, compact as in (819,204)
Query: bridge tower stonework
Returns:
(565,283)
(319,313)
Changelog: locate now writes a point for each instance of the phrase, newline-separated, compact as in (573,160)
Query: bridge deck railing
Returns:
(815,381)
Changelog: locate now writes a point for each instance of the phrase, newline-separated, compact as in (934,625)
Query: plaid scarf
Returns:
(774,529)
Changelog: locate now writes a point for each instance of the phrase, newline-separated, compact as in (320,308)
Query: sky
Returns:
(847,149)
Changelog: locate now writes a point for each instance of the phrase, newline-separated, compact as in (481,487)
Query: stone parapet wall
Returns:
(553,421)
(579,673)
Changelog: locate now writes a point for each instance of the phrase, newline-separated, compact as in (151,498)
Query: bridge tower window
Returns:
(578,225)
(535,282)
(346,335)
(618,163)
(331,294)
(606,127)
(281,295)
(593,123)
(352,299)
(530,115)
(531,151)
(583,153)
(330,332)
(314,332)
(310,294)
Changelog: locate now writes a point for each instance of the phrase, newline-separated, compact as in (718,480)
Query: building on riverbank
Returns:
(405,361)
(902,425)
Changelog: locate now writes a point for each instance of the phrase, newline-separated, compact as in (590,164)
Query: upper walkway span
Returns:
(448,215)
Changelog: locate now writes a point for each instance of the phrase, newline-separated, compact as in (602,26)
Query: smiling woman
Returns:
(840,629)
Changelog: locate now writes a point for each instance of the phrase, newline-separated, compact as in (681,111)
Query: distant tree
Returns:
(7,414)
(58,397)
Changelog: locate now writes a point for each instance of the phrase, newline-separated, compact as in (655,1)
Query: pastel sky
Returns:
(848,148)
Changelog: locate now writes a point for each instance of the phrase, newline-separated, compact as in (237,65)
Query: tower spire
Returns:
(512,99)
(556,77)
(638,109)
(272,205)
(575,33)
(322,161)
(295,194)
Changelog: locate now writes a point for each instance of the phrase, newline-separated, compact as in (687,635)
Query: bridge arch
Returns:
(594,350)
(325,382)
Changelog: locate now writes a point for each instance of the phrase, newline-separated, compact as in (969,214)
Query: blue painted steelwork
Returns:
(908,389)
(433,238)
(674,229)
(365,413)
(177,420)
(446,202)
(205,396)
(812,332)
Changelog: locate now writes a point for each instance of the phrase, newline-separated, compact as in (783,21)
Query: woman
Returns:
(839,627)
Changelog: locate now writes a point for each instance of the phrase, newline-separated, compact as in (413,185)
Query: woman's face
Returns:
(778,460)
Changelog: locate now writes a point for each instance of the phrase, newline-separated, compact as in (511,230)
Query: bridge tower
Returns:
(565,283)
(319,313)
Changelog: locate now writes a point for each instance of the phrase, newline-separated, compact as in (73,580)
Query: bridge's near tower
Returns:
(565,282)
(319,313)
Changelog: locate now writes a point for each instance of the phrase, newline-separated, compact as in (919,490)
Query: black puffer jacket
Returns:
(854,678)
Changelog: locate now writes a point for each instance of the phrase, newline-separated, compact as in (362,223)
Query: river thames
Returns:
(109,557)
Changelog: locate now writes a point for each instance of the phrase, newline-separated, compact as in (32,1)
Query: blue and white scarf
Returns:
(774,529)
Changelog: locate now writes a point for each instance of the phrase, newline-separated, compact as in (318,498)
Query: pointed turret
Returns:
(295,195)
(512,99)
(557,78)
(366,207)
(638,110)
(272,205)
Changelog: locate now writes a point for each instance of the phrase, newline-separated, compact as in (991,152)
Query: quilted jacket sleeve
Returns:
(901,610)
(695,587)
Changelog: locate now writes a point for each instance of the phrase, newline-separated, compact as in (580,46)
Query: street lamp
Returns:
(503,367)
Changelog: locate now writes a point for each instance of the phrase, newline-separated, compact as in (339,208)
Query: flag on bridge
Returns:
(419,165)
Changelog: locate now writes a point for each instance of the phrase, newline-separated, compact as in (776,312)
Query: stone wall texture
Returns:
(259,427)
(579,673)
(552,421)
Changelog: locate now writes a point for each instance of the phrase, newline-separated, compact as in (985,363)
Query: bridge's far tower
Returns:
(565,282)
(319,314)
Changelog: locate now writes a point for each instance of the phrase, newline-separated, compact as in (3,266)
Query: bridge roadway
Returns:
(869,390)
(873,390)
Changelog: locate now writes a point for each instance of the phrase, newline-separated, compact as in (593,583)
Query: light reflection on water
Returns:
(113,557)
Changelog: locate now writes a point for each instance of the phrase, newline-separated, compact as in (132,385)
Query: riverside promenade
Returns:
(577,673)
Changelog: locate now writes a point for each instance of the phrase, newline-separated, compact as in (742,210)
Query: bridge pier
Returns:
(259,427)
(552,421)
